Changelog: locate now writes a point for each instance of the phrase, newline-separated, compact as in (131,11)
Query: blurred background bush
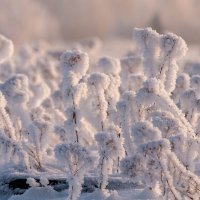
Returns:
(30,20)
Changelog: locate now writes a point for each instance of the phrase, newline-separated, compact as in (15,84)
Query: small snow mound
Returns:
(46,193)
(32,182)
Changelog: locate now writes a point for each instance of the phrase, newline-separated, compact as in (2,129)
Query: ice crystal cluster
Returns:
(83,115)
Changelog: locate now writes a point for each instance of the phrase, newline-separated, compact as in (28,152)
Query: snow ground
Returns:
(49,194)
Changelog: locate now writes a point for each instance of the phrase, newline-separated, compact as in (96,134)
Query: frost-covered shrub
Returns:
(16,92)
(110,147)
(165,155)
(11,148)
(78,162)
(152,97)
(140,110)
(160,54)
(154,163)
(74,65)
(39,136)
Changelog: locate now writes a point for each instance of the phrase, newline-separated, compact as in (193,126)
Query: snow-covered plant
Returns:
(110,147)
(167,123)
(116,130)
(146,100)
(171,147)
(74,65)
(186,149)
(75,61)
(5,122)
(189,106)
(130,66)
(160,53)
(144,132)
(98,83)
(17,94)
(148,41)
(142,106)
(154,163)
(111,67)
(173,48)
(152,97)
(126,113)
(78,161)
(182,84)
(39,136)
(11,150)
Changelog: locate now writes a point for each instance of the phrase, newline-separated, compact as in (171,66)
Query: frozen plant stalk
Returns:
(98,83)
(74,65)
(125,109)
